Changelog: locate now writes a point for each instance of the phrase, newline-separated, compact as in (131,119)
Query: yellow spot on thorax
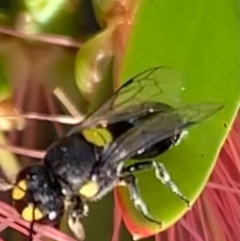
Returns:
(19,191)
(30,212)
(98,136)
(90,189)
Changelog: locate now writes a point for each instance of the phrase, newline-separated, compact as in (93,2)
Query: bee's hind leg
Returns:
(131,182)
(161,174)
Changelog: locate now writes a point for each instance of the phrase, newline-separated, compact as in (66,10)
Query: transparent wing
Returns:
(131,98)
(157,128)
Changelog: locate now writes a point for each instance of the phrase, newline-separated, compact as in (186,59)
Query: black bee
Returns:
(90,160)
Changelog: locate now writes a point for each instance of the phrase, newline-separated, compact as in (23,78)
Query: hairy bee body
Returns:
(90,160)
(71,159)
(74,160)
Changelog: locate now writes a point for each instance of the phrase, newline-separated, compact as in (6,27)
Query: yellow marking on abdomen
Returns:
(98,136)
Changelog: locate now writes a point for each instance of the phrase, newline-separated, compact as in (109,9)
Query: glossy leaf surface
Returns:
(201,41)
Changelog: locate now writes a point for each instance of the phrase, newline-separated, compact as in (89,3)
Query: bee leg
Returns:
(76,213)
(68,201)
(161,174)
(131,182)
(80,207)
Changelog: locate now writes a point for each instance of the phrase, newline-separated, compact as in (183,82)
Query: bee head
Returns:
(37,195)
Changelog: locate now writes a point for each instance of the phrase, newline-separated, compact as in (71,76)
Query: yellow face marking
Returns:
(19,190)
(89,189)
(98,136)
(27,213)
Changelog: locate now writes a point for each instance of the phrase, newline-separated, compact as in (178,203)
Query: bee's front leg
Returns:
(76,213)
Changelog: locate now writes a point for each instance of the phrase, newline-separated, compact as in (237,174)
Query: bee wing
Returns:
(157,128)
(130,100)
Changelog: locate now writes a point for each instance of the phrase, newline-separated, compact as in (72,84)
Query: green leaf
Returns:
(201,40)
